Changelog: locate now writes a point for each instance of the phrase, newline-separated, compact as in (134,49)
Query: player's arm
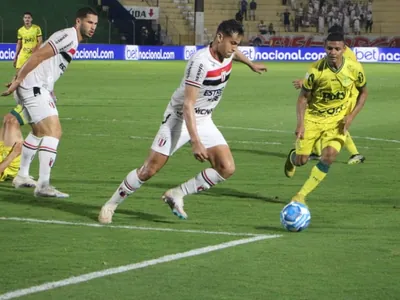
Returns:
(361,85)
(302,101)
(258,68)
(39,39)
(195,75)
(15,152)
(36,58)
(18,49)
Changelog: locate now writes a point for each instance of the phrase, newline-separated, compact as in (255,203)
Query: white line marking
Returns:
(144,264)
(232,127)
(58,222)
(150,138)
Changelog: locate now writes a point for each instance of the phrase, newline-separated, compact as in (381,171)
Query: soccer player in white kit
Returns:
(188,118)
(32,89)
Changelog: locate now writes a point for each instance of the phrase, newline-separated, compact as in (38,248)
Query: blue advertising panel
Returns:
(134,52)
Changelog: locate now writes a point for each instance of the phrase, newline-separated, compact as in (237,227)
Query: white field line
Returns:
(144,264)
(58,222)
(230,142)
(234,128)
(151,138)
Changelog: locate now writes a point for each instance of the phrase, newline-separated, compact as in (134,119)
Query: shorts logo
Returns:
(51,104)
(162,141)
(51,162)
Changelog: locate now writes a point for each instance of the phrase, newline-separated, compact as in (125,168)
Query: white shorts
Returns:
(173,134)
(37,104)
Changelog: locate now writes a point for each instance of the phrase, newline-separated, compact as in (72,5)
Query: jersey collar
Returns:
(333,70)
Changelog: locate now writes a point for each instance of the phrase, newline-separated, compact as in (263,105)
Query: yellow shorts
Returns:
(12,170)
(21,60)
(18,113)
(328,134)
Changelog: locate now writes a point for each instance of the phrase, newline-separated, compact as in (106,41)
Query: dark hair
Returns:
(28,13)
(230,27)
(84,11)
(336,29)
(335,37)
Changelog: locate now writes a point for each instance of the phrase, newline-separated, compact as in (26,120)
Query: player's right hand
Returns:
(15,62)
(199,151)
(13,86)
(299,132)
(298,83)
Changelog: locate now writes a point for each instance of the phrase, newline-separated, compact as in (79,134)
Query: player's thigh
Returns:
(219,153)
(312,133)
(21,60)
(41,111)
(171,136)
(11,131)
(18,113)
(12,169)
(334,138)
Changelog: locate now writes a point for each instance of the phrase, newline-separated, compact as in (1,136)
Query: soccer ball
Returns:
(295,216)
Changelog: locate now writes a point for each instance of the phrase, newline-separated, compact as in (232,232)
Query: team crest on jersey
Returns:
(223,76)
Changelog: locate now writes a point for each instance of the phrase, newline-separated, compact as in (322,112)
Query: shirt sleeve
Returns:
(61,41)
(38,31)
(19,35)
(309,80)
(361,79)
(195,73)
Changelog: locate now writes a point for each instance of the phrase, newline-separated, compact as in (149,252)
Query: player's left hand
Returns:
(12,87)
(346,124)
(258,68)
(298,83)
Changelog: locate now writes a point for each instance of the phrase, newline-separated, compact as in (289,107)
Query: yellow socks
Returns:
(318,174)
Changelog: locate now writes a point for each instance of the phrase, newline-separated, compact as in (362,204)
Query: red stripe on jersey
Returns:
(53,46)
(72,51)
(193,83)
(216,73)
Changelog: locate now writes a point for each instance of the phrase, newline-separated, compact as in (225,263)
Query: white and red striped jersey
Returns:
(64,44)
(209,75)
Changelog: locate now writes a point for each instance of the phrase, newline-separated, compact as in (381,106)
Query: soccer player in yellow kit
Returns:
(29,39)
(355,157)
(323,111)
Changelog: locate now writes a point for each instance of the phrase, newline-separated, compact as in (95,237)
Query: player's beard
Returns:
(85,33)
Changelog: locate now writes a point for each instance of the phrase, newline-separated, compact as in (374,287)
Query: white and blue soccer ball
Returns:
(295,216)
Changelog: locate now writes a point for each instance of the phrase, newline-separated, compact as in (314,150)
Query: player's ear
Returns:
(220,37)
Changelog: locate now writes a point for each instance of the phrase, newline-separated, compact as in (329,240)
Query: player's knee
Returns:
(9,121)
(329,156)
(226,169)
(301,160)
(147,171)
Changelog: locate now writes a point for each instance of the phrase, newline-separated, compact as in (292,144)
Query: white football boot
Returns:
(356,159)
(106,213)
(174,198)
(49,191)
(20,181)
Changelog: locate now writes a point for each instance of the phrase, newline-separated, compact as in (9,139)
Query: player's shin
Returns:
(350,146)
(318,174)
(47,158)
(129,185)
(29,149)
(203,181)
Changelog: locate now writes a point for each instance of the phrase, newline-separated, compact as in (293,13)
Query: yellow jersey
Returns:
(29,36)
(331,89)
